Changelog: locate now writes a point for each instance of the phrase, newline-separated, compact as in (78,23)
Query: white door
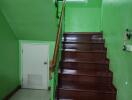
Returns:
(35,66)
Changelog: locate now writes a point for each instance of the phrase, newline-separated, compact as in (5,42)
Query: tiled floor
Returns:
(29,94)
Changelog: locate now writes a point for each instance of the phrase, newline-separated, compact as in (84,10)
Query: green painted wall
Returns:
(116,18)
(9,72)
(31,19)
(84,17)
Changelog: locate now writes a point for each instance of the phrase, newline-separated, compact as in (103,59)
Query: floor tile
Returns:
(29,94)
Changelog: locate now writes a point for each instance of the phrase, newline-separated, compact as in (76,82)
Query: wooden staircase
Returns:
(84,68)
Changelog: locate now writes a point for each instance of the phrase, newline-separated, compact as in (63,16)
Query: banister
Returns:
(54,60)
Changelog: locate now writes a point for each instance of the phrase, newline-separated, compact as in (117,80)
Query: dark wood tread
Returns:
(83,33)
(84,55)
(95,88)
(89,68)
(77,61)
(83,51)
(84,66)
(82,42)
(90,46)
(84,61)
(82,38)
(89,73)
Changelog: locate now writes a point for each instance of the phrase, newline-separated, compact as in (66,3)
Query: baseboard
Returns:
(7,97)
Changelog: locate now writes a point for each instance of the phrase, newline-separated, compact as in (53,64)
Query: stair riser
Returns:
(83,36)
(84,95)
(83,40)
(84,66)
(84,47)
(83,56)
(87,79)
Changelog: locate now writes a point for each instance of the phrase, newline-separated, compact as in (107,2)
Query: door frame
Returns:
(21,42)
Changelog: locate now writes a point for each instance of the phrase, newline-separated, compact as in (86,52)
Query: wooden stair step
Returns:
(84,66)
(73,95)
(85,51)
(103,52)
(84,55)
(107,73)
(82,91)
(90,62)
(83,41)
(104,78)
(77,50)
(86,47)
(66,94)
(76,59)
(84,35)
(80,86)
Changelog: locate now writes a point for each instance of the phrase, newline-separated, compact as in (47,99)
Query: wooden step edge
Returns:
(74,72)
(84,41)
(83,33)
(70,42)
(69,60)
(71,66)
(106,62)
(104,74)
(94,85)
(89,91)
(83,51)
(87,62)
(64,49)
(82,85)
(101,68)
(95,69)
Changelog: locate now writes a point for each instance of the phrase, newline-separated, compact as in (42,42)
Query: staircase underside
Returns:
(84,68)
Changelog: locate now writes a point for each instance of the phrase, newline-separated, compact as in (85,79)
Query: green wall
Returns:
(83,16)
(116,18)
(9,72)
(31,19)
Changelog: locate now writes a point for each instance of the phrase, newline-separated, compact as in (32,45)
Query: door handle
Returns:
(45,63)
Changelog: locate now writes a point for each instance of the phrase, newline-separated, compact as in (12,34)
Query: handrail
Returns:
(54,60)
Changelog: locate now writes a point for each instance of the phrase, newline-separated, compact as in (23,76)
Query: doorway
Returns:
(34,65)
